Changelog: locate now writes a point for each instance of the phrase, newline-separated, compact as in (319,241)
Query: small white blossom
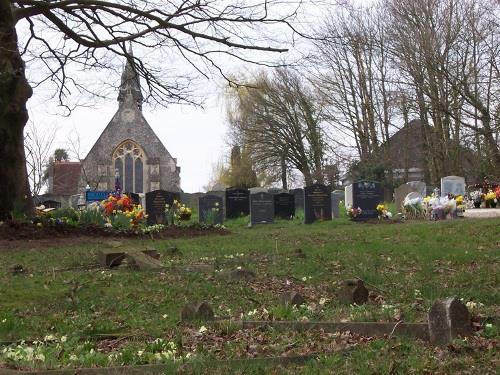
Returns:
(203,329)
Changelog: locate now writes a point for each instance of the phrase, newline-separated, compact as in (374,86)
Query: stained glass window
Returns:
(129,159)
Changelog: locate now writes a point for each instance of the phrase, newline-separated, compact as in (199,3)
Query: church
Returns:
(127,148)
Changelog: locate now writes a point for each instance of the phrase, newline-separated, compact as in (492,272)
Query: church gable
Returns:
(128,144)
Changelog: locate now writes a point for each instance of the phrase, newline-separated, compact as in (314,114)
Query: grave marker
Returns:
(155,205)
(317,203)
(337,196)
(452,184)
(261,208)
(348,196)
(211,209)
(367,195)
(284,205)
(402,191)
(237,203)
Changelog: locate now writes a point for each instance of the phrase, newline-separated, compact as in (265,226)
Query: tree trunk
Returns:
(284,181)
(15,196)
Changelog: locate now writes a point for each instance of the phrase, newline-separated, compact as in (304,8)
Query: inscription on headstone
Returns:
(452,184)
(211,210)
(155,205)
(261,208)
(284,205)
(237,203)
(337,196)
(317,203)
(367,195)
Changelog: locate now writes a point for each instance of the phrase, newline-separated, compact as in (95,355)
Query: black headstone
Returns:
(237,203)
(367,195)
(261,208)
(299,198)
(211,209)
(284,205)
(155,205)
(317,203)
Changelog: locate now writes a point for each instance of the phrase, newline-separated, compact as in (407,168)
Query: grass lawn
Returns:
(79,315)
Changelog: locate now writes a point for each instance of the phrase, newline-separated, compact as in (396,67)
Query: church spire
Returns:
(130,83)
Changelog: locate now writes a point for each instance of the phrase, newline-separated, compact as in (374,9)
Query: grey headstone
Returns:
(201,311)
(240,274)
(452,184)
(447,319)
(337,197)
(299,198)
(402,191)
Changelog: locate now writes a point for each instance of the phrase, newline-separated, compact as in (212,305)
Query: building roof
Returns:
(66,177)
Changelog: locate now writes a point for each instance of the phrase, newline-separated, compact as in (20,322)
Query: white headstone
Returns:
(348,196)
(452,184)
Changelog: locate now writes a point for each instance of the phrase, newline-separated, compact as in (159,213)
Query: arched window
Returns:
(129,159)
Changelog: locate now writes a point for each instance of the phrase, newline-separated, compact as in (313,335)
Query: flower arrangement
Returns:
(413,207)
(490,198)
(383,212)
(210,216)
(121,213)
(353,212)
(177,211)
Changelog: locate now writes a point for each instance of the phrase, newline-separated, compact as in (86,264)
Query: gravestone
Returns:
(211,209)
(452,184)
(261,208)
(337,196)
(96,196)
(348,196)
(419,186)
(317,203)
(447,319)
(237,203)
(367,195)
(299,198)
(284,205)
(155,205)
(402,191)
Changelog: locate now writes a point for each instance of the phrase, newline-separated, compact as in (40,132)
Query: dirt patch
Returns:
(15,235)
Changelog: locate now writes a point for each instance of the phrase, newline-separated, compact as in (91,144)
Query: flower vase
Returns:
(493,204)
(477,204)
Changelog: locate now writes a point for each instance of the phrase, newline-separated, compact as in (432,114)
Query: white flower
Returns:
(63,338)
(252,313)
(203,329)
(304,319)
(304,278)
(158,356)
(238,268)
(488,326)
(40,357)
(322,301)
(92,351)
(140,352)
(471,305)
(49,338)
(4,320)
(188,355)
(165,316)
(73,357)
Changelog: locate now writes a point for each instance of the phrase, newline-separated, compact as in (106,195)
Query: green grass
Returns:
(400,262)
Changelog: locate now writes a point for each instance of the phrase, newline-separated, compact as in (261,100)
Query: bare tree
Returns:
(38,147)
(280,121)
(66,35)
